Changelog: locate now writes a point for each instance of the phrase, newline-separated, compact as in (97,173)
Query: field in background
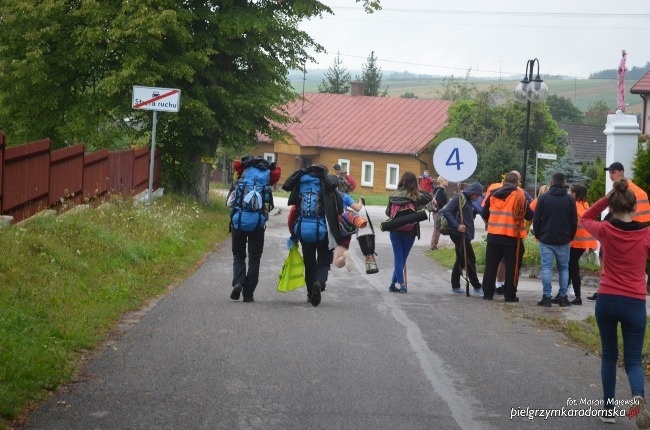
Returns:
(583,92)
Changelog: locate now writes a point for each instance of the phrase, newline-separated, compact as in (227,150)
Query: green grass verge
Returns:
(66,280)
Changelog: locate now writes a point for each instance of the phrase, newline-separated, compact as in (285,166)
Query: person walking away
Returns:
(406,196)
(581,242)
(426,182)
(504,212)
(462,234)
(349,223)
(250,199)
(347,184)
(621,294)
(439,201)
(555,222)
(314,221)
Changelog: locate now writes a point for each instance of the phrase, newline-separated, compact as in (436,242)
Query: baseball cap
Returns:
(615,166)
(337,167)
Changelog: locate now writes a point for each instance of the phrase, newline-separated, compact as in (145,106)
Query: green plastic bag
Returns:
(292,275)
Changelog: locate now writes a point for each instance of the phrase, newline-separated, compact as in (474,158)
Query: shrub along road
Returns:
(364,359)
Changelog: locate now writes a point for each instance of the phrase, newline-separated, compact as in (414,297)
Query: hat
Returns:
(615,166)
(337,167)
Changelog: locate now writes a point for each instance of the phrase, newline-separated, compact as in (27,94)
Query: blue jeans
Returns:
(631,313)
(402,244)
(561,255)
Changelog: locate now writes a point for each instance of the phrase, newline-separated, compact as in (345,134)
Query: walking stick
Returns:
(405,281)
(462,237)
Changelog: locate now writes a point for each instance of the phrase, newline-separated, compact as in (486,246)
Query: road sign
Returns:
(544,156)
(156,99)
(455,159)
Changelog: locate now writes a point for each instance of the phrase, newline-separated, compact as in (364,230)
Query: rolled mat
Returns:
(392,224)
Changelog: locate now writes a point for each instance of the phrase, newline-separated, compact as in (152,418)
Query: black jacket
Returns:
(556,218)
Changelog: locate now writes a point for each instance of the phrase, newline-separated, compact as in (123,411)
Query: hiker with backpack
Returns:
(314,222)
(349,223)
(405,200)
(460,213)
(347,184)
(439,200)
(250,199)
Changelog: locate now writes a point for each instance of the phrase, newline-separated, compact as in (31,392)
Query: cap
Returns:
(615,166)
(337,167)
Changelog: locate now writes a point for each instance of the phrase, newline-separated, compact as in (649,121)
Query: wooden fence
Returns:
(33,177)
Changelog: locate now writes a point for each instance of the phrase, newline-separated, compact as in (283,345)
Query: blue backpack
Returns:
(252,194)
(310,225)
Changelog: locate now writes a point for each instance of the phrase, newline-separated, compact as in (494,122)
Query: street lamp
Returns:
(530,90)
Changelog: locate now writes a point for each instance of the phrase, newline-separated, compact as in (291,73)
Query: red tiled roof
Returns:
(363,123)
(642,86)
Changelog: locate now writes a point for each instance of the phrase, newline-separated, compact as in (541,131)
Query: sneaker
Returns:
(546,302)
(576,301)
(236,291)
(403,289)
(478,291)
(592,298)
(643,417)
(499,290)
(315,293)
(556,299)
(248,299)
(433,248)
(457,291)
(514,299)
(564,301)
(393,289)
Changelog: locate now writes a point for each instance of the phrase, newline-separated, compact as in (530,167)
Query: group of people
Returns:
(562,222)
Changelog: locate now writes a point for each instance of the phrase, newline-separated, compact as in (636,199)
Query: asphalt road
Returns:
(364,359)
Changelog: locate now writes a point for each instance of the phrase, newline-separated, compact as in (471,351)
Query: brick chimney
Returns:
(356,88)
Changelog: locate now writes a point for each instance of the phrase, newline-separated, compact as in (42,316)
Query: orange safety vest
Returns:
(503,220)
(583,239)
(642,212)
(491,188)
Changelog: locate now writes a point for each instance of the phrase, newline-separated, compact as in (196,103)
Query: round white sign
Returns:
(455,159)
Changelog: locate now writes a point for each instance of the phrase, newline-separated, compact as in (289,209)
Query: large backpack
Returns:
(397,210)
(310,225)
(344,183)
(442,224)
(252,194)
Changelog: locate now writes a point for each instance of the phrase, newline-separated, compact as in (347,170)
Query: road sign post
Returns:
(155,99)
(543,156)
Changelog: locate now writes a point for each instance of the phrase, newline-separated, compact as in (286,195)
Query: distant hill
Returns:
(635,73)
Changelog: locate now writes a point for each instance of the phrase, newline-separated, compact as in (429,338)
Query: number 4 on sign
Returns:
(455,153)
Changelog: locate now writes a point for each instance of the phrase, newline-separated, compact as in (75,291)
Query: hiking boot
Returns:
(564,301)
(556,299)
(643,416)
(514,299)
(315,292)
(592,298)
(457,291)
(236,291)
(488,298)
(546,302)
(478,291)
(499,290)
(576,301)
(248,300)
(393,289)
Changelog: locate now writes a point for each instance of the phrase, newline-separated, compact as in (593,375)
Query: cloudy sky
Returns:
(494,38)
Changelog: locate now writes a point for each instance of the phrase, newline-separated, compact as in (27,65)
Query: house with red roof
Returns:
(374,139)
(642,88)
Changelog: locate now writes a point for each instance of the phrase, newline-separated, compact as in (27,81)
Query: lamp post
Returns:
(530,90)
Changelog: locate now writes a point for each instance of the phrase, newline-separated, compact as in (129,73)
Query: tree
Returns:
(68,69)
(371,76)
(641,164)
(563,110)
(597,113)
(455,90)
(337,79)
(408,95)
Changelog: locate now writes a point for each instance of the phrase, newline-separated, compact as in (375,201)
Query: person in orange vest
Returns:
(505,212)
(642,211)
(581,242)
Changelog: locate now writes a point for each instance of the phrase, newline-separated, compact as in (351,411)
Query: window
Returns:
(392,176)
(367,173)
(345,164)
(269,156)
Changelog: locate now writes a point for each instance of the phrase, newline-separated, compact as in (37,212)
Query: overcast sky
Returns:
(569,37)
